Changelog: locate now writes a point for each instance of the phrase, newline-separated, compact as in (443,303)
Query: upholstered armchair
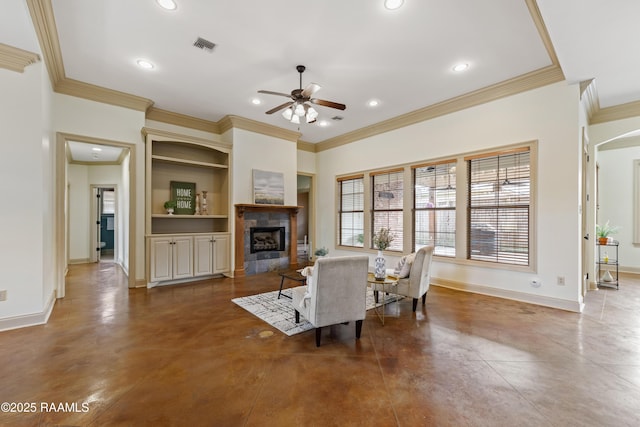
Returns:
(417,283)
(335,293)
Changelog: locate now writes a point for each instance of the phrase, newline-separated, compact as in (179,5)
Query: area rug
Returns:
(279,313)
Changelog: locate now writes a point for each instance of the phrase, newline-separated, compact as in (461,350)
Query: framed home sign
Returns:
(184,194)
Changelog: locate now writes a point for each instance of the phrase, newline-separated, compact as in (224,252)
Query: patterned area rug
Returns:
(279,313)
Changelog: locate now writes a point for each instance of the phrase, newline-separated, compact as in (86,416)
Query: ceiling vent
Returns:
(204,44)
(337,118)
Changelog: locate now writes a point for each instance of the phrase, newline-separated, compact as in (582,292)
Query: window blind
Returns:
(387,196)
(351,213)
(499,208)
(434,202)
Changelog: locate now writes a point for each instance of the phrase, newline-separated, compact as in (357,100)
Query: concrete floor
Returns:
(187,356)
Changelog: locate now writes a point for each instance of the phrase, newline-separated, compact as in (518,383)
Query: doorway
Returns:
(104,224)
(305,217)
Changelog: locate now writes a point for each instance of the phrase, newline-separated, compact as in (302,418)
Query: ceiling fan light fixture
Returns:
(287,113)
(295,119)
(312,114)
(299,110)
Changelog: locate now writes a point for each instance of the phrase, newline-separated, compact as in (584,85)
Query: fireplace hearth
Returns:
(263,239)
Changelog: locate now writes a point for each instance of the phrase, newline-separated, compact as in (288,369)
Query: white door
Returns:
(182,257)
(161,265)
(203,255)
(221,253)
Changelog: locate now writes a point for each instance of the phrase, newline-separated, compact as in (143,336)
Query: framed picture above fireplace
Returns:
(268,188)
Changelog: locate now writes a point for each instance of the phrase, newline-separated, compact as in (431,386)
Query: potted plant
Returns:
(320,252)
(603,232)
(170,205)
(381,240)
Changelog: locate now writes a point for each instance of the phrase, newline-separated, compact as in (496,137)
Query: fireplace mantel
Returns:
(239,243)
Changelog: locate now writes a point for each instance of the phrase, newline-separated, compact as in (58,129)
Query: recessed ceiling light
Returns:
(460,67)
(393,4)
(373,103)
(167,4)
(143,63)
(323,123)
(256,101)
(96,149)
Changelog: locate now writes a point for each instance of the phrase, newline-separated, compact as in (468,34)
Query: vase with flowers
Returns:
(381,241)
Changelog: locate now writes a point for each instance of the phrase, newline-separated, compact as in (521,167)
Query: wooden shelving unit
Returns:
(174,157)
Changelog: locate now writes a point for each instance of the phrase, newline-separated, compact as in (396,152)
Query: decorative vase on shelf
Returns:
(380,272)
(203,204)
(197,204)
(170,211)
(607,277)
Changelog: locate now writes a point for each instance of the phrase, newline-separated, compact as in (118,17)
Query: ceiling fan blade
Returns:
(279,107)
(331,104)
(269,92)
(311,89)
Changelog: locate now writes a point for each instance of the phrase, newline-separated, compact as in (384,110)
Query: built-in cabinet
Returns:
(186,246)
(212,254)
(171,258)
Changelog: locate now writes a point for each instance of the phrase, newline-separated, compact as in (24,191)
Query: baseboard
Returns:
(629,270)
(80,261)
(561,304)
(27,320)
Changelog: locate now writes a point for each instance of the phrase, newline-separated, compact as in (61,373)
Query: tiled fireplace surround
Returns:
(248,216)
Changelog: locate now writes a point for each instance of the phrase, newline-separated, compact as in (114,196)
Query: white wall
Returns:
(257,151)
(549,115)
(93,119)
(123,215)
(26,172)
(80,179)
(615,197)
(306,161)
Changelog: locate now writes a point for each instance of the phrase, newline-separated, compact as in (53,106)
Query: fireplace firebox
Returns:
(263,239)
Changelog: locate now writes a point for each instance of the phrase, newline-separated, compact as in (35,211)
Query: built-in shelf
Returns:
(188,162)
(167,216)
(186,247)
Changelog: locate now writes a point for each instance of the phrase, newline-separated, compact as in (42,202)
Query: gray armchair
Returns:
(417,284)
(336,293)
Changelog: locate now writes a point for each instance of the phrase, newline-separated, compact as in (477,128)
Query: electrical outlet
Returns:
(560,280)
(3,295)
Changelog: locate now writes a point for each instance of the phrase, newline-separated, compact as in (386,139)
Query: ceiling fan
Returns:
(300,99)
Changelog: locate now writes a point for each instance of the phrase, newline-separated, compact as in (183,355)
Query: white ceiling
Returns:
(80,152)
(356,50)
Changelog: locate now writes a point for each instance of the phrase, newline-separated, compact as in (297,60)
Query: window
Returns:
(499,207)
(351,213)
(434,207)
(108,202)
(387,208)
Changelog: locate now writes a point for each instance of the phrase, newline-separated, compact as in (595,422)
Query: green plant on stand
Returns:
(604,231)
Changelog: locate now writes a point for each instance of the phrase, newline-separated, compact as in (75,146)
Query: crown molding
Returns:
(183,120)
(237,122)
(45,26)
(536,16)
(526,82)
(99,94)
(307,146)
(616,112)
(15,59)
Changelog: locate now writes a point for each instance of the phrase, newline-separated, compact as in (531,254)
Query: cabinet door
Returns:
(161,259)
(182,257)
(203,255)
(221,253)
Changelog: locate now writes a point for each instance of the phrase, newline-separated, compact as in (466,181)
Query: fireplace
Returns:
(262,239)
